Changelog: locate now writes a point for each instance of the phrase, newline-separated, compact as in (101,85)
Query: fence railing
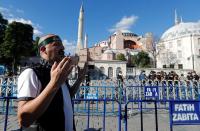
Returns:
(113,98)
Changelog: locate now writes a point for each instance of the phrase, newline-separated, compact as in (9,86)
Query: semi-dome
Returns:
(108,52)
(182,29)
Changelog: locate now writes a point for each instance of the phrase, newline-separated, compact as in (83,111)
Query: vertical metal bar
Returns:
(193,90)
(198,90)
(161,91)
(173,89)
(112,99)
(179,87)
(156,115)
(141,115)
(125,116)
(98,98)
(125,96)
(186,91)
(85,98)
(170,116)
(119,116)
(6,115)
(88,120)
(120,92)
(104,114)
(140,91)
(167,83)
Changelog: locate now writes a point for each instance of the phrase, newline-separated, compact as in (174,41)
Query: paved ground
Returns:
(111,122)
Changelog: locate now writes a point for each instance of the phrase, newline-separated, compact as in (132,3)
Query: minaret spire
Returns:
(176,19)
(86,41)
(80,30)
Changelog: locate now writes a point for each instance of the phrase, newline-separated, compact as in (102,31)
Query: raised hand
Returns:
(60,71)
(82,72)
(81,76)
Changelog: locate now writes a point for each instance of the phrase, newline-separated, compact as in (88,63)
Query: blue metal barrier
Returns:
(156,114)
(141,113)
(7,109)
(95,92)
(129,92)
(104,111)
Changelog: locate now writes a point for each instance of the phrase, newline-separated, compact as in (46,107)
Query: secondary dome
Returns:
(182,29)
(108,52)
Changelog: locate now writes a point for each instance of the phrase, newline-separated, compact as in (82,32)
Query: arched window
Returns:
(130,44)
(118,70)
(110,72)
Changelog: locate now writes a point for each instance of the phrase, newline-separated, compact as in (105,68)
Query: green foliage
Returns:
(18,42)
(121,57)
(3,25)
(35,47)
(142,59)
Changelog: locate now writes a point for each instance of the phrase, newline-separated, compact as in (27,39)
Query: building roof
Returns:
(125,33)
(108,52)
(182,29)
(110,61)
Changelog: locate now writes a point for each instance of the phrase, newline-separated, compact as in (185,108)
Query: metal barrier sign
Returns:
(184,112)
(92,96)
(151,91)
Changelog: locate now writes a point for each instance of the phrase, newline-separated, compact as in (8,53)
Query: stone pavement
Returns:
(133,123)
(12,123)
(111,122)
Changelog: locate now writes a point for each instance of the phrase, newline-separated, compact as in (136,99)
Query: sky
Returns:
(101,17)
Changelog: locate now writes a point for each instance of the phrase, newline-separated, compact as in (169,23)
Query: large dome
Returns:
(182,29)
(124,33)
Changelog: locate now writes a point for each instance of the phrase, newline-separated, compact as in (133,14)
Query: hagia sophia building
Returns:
(177,49)
(102,56)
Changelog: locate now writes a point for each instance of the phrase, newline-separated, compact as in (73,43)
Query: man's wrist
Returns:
(53,85)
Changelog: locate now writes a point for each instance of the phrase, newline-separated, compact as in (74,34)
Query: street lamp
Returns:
(192,53)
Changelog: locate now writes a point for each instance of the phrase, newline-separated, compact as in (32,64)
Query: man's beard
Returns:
(60,56)
(61,53)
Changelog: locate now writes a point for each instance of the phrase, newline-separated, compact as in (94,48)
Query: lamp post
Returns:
(192,53)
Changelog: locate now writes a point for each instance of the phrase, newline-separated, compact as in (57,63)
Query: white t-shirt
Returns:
(29,87)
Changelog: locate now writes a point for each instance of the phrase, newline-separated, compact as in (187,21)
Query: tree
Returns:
(34,51)
(3,25)
(121,57)
(142,59)
(18,42)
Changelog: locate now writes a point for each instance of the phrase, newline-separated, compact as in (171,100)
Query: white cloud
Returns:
(22,20)
(36,27)
(37,32)
(70,47)
(124,24)
(7,13)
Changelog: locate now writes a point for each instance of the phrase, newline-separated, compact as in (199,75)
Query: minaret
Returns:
(176,19)
(80,30)
(86,41)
